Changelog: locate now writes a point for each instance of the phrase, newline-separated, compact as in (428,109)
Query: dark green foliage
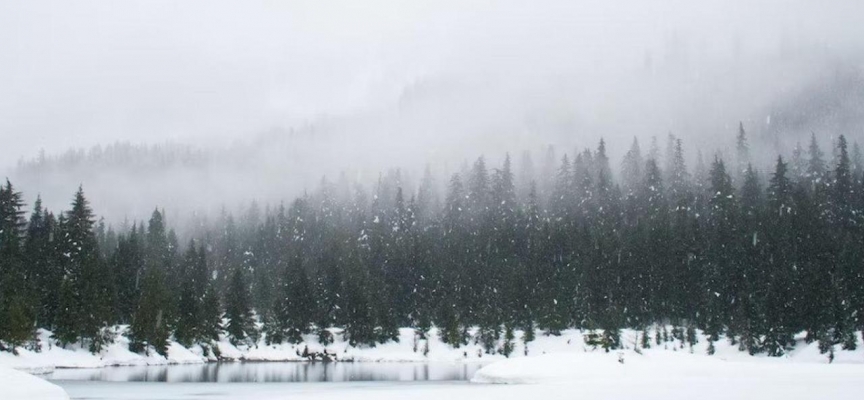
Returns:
(745,256)
(645,339)
(18,301)
(211,315)
(507,347)
(149,326)
(607,340)
(240,325)
(86,295)
(192,319)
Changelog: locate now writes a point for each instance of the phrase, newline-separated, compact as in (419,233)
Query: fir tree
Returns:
(631,167)
(186,330)
(238,313)
(816,166)
(149,328)
(742,153)
(17,305)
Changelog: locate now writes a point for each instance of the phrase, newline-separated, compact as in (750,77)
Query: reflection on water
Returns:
(275,372)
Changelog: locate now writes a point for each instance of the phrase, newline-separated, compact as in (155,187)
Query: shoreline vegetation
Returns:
(573,342)
(755,258)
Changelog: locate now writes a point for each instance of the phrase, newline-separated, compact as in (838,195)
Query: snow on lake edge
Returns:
(17,385)
(408,349)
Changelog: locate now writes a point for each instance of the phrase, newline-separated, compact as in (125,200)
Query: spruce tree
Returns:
(746,319)
(454,302)
(632,168)
(88,293)
(238,313)
(17,302)
(186,330)
(846,269)
(149,326)
(742,153)
(41,252)
(721,283)
(816,166)
(128,262)
(781,272)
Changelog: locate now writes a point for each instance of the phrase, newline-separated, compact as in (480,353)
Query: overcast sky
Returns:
(78,73)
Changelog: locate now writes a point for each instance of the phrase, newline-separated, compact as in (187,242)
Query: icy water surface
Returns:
(274,372)
(378,390)
(260,380)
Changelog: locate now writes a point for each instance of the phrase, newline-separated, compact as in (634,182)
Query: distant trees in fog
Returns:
(755,256)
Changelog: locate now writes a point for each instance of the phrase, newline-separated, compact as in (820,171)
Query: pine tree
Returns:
(846,271)
(656,258)
(45,274)
(294,295)
(186,330)
(87,297)
(721,283)
(742,153)
(17,305)
(153,316)
(779,323)
(526,176)
(547,177)
(798,164)
(816,167)
(149,326)
(669,157)
(857,163)
(209,318)
(745,318)
(427,197)
(454,301)
(631,168)
(128,262)
(238,313)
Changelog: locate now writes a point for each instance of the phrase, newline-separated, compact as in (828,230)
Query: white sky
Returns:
(78,73)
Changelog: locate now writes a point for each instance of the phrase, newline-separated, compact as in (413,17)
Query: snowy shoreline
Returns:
(21,385)
(406,350)
(553,364)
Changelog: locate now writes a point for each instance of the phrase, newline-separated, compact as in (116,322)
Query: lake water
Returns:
(259,380)
(274,372)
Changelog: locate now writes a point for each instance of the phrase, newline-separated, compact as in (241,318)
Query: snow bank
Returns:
(75,356)
(598,366)
(17,385)
(674,375)
(408,349)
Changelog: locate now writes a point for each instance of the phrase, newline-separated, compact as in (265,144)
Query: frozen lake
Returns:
(274,372)
(658,376)
(240,380)
(378,390)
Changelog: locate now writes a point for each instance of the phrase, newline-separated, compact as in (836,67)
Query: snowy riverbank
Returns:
(406,350)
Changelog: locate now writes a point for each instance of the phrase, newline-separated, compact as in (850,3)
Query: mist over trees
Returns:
(439,124)
(753,255)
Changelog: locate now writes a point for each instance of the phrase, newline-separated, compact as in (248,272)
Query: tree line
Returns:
(755,257)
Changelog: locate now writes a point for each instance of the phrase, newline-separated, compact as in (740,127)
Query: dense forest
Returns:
(751,256)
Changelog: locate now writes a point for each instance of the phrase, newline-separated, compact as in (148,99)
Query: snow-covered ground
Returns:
(668,375)
(74,356)
(556,367)
(406,350)
(17,385)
